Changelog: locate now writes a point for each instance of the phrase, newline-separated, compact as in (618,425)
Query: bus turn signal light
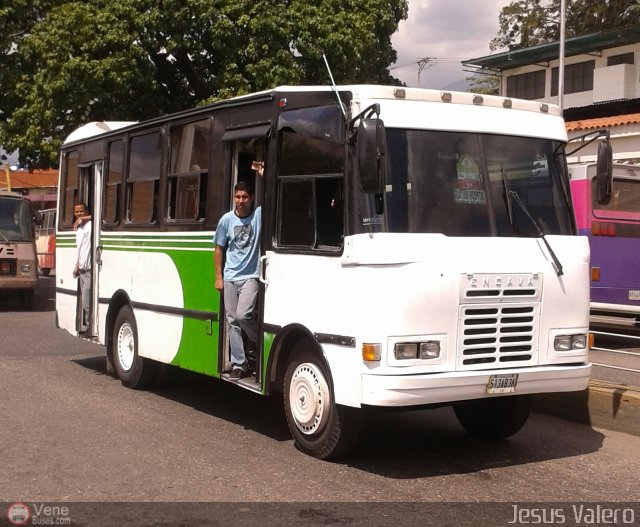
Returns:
(370,352)
(595,274)
(599,228)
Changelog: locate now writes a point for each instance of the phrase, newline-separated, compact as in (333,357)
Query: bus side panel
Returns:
(316,293)
(581,195)
(153,284)
(617,258)
(199,341)
(66,284)
(172,290)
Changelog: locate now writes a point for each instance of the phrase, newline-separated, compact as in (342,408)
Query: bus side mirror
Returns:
(604,172)
(37,217)
(371,155)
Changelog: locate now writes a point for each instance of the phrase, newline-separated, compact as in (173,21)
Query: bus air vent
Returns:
(497,335)
(8,267)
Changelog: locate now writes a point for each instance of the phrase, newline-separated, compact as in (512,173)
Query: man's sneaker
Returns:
(238,373)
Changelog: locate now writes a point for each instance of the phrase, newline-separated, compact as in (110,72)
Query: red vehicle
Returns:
(46,242)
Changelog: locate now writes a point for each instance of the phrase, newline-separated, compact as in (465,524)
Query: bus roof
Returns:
(365,92)
(12,195)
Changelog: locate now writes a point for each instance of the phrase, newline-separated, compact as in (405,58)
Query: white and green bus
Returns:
(418,248)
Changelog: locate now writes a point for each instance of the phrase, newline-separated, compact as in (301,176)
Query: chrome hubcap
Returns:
(309,399)
(126,346)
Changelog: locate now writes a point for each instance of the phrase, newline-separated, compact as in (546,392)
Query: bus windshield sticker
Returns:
(468,189)
(374,220)
(472,197)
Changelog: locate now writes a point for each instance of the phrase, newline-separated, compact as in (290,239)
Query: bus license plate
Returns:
(502,383)
(634,294)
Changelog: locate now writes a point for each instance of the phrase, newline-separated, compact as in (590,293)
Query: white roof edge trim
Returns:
(95,128)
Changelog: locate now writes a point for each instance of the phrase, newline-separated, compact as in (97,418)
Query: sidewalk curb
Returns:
(602,405)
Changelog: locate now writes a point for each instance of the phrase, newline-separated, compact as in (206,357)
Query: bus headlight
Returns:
(570,342)
(25,267)
(430,350)
(417,350)
(406,350)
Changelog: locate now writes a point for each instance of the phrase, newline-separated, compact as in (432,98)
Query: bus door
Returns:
(247,148)
(96,253)
(89,191)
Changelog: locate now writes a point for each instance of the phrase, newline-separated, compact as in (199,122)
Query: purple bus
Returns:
(610,217)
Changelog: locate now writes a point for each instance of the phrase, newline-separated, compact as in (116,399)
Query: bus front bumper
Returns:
(416,390)
(19,283)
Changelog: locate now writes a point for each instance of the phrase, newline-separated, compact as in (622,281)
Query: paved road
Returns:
(72,433)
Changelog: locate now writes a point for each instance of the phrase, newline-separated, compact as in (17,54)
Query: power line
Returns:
(436,60)
(424,63)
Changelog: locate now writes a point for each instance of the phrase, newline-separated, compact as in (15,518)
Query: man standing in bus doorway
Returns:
(82,271)
(238,239)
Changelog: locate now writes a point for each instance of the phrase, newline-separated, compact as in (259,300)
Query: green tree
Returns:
(484,84)
(526,23)
(67,63)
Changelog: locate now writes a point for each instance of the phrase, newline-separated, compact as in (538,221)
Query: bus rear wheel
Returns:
(495,418)
(133,371)
(320,427)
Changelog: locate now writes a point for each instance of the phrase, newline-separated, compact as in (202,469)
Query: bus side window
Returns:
(310,184)
(70,179)
(188,170)
(113,185)
(145,162)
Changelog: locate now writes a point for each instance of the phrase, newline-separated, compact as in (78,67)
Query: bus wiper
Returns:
(556,262)
(5,238)
(507,198)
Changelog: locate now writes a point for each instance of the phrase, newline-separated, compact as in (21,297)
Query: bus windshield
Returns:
(16,220)
(468,184)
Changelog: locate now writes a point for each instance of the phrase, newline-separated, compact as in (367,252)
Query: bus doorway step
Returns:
(248,383)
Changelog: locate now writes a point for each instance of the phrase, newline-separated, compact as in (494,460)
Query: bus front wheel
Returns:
(320,427)
(495,418)
(133,371)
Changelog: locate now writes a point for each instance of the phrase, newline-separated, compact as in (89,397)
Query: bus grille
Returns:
(498,335)
(8,267)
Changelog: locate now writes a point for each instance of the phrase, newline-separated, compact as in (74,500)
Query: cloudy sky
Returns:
(447,30)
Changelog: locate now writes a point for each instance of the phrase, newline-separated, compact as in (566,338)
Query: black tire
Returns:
(133,371)
(46,271)
(495,418)
(320,427)
(26,299)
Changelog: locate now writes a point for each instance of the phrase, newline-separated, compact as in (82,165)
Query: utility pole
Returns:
(561,62)
(425,62)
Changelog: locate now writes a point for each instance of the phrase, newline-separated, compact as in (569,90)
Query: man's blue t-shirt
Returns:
(241,237)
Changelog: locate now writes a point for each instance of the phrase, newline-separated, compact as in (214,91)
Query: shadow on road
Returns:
(220,399)
(398,445)
(426,443)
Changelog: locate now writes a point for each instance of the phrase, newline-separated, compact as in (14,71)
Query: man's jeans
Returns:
(84,280)
(239,303)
